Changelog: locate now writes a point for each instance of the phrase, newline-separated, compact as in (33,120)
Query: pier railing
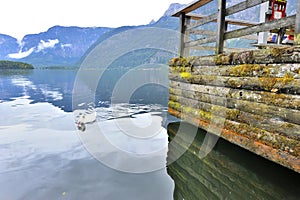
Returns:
(190,23)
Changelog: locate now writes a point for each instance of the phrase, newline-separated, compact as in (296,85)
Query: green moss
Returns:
(185,75)
(276,52)
(248,70)
(187,109)
(287,78)
(203,114)
(175,105)
(222,59)
(267,83)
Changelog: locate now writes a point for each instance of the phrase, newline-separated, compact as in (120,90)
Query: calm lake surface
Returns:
(44,155)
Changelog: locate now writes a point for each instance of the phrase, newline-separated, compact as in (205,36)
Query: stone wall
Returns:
(253,97)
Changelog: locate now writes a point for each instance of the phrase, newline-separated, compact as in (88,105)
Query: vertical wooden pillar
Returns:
(297,25)
(221,26)
(186,50)
(182,34)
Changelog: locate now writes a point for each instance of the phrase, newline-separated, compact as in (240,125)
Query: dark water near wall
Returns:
(42,156)
(227,172)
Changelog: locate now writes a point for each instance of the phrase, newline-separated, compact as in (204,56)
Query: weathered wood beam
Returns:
(248,83)
(186,50)
(201,41)
(284,22)
(202,32)
(221,28)
(243,6)
(190,7)
(182,34)
(229,11)
(207,19)
(260,97)
(204,48)
(228,20)
(203,101)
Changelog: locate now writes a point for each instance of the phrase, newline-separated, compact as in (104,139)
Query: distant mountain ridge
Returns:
(65,46)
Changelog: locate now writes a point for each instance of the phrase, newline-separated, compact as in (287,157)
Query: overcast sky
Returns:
(21,17)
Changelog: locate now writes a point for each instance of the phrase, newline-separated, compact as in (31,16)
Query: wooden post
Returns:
(221,26)
(182,34)
(297,25)
(186,50)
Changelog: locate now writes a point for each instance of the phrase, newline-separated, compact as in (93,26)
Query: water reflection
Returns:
(42,157)
(228,172)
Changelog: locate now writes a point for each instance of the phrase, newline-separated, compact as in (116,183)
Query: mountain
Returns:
(8,45)
(66,46)
(58,46)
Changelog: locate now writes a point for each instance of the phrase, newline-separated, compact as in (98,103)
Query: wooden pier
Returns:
(253,96)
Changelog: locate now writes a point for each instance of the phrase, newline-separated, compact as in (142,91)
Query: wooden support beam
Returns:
(284,22)
(190,7)
(182,35)
(243,6)
(229,11)
(201,41)
(207,19)
(202,32)
(221,26)
(230,21)
(297,25)
(186,51)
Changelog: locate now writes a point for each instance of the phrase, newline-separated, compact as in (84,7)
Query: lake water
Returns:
(42,152)
(55,146)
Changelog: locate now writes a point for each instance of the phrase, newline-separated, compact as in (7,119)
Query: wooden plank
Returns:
(271,45)
(204,48)
(250,37)
(268,84)
(229,11)
(243,6)
(284,22)
(202,101)
(232,50)
(203,19)
(220,26)
(259,97)
(201,41)
(240,22)
(190,7)
(202,32)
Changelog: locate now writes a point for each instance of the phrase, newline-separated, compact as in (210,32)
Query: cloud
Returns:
(21,54)
(44,45)
(65,45)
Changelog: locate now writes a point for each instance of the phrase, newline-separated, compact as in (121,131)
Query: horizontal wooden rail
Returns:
(213,48)
(190,7)
(191,21)
(213,33)
(201,41)
(243,6)
(284,22)
(228,20)
(229,11)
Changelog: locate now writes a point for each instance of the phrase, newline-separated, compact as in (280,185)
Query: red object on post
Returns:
(277,8)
